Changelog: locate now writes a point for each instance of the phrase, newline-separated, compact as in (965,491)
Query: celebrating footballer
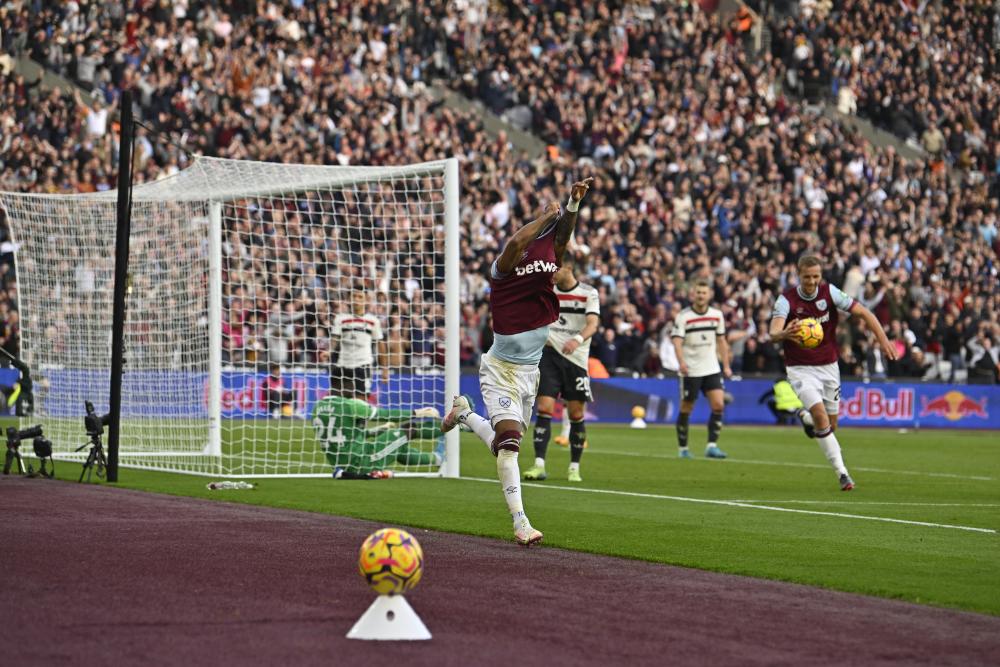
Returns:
(523,304)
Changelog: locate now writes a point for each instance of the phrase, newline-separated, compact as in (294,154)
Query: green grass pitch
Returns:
(921,526)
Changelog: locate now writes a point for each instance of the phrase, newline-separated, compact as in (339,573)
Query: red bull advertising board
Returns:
(899,405)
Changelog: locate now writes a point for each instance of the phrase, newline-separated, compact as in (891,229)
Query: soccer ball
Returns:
(391,561)
(810,333)
(638,412)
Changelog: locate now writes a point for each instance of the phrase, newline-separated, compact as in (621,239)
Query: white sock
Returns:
(575,467)
(565,423)
(539,463)
(480,426)
(831,448)
(510,482)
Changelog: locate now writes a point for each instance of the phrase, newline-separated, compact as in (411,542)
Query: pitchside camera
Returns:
(14,438)
(93,422)
(42,447)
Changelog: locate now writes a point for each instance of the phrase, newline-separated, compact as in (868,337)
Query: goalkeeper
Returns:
(361,440)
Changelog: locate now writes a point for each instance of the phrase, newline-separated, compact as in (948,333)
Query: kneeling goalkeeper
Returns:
(360,440)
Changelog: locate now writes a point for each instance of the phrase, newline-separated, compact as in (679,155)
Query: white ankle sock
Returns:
(831,448)
(480,426)
(510,483)
(539,463)
(575,466)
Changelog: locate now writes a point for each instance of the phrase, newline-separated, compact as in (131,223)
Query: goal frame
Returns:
(447,168)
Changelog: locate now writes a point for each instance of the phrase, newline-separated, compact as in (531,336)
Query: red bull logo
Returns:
(875,403)
(953,406)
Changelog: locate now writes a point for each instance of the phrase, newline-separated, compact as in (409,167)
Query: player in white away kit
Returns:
(813,373)
(564,370)
(354,336)
(699,338)
(523,305)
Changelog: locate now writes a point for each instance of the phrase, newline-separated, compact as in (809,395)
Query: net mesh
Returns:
(332,283)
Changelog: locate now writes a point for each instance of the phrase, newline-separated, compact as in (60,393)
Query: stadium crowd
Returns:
(706,161)
(926,71)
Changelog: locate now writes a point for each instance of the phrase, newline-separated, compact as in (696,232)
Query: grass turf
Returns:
(932,477)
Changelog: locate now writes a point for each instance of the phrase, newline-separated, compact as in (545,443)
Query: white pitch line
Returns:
(865,502)
(731,503)
(789,464)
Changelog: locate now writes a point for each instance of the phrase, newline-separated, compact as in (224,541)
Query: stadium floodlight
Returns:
(236,266)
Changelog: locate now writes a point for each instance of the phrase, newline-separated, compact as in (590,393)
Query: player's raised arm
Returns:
(567,223)
(523,237)
(888,349)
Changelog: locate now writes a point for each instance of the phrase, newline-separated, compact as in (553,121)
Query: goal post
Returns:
(253,289)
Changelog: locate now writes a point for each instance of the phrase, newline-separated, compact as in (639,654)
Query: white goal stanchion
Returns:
(255,290)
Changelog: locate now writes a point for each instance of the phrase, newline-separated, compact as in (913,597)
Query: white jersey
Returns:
(699,331)
(574,306)
(357,333)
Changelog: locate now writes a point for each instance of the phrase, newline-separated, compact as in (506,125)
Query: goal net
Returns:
(282,320)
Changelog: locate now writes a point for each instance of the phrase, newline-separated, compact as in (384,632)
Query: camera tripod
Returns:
(13,455)
(94,458)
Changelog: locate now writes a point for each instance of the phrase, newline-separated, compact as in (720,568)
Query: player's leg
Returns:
(527,379)
(423,429)
(689,392)
(549,386)
(808,385)
(716,401)
(509,393)
(362,382)
(805,418)
(493,389)
(543,429)
(577,438)
(576,389)
(396,444)
(563,438)
(349,460)
(337,382)
(831,406)
(506,447)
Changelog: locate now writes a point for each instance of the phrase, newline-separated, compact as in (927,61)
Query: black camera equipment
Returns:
(14,438)
(43,450)
(94,424)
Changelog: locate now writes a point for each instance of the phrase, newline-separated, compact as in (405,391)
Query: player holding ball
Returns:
(813,371)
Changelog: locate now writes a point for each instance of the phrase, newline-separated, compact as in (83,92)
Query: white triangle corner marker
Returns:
(390,617)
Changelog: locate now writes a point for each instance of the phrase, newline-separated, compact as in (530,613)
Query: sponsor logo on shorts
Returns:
(504,402)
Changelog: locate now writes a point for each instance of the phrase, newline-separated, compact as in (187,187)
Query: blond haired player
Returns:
(813,373)
(523,305)
(699,338)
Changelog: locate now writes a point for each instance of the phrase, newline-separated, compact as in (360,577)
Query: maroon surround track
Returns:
(103,576)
